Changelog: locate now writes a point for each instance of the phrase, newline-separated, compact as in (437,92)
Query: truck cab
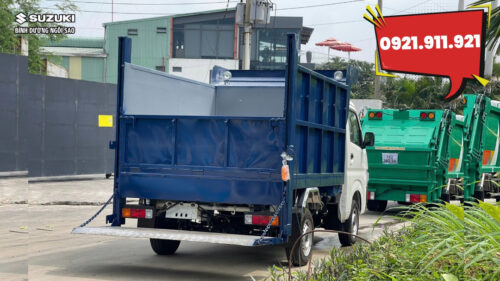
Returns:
(253,158)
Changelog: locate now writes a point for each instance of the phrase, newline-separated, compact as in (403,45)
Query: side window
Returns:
(354,128)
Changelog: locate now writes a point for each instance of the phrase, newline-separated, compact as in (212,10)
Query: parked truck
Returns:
(253,158)
(417,156)
(482,163)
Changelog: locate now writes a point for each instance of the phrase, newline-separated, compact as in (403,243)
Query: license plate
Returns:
(389,158)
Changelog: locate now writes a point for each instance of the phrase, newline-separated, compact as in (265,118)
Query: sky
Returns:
(340,19)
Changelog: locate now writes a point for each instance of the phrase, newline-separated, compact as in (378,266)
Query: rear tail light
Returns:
(370,195)
(427,115)
(451,164)
(375,115)
(285,173)
(416,198)
(261,220)
(486,156)
(137,213)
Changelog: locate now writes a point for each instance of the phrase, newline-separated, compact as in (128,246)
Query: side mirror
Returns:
(369,139)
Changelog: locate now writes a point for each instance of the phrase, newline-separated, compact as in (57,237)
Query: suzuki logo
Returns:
(21,18)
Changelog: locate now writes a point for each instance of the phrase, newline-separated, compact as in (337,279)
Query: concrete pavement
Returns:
(38,244)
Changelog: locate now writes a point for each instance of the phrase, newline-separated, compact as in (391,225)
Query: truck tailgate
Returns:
(204,159)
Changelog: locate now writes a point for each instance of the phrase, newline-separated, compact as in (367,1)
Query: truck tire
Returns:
(160,246)
(446,197)
(301,223)
(351,226)
(376,205)
(164,247)
(479,195)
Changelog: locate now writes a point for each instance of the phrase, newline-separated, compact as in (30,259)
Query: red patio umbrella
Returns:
(335,44)
(345,47)
(328,43)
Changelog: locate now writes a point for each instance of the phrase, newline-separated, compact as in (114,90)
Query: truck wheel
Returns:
(351,226)
(164,247)
(301,223)
(479,195)
(446,197)
(161,246)
(376,205)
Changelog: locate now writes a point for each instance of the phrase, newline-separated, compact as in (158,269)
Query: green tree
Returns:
(425,92)
(9,41)
(364,88)
(493,32)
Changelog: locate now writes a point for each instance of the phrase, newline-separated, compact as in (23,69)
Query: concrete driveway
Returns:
(36,241)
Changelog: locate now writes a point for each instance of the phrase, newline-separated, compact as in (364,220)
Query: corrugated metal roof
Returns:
(77,42)
(73,52)
(170,16)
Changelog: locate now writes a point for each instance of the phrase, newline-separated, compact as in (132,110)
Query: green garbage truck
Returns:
(482,162)
(410,161)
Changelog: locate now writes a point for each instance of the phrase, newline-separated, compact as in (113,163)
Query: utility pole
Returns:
(259,12)
(247,29)
(461,5)
(378,82)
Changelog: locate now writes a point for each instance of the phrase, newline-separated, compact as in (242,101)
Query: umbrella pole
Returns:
(328,54)
(348,56)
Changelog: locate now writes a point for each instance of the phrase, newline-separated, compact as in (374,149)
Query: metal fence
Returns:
(49,125)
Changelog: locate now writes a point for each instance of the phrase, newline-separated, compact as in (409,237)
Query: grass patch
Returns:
(446,242)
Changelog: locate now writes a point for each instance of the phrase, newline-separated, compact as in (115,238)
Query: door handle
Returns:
(352,156)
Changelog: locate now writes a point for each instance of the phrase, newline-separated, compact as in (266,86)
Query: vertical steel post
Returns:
(124,52)
(290,114)
(378,83)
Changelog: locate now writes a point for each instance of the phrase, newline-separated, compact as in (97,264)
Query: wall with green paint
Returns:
(93,69)
(149,48)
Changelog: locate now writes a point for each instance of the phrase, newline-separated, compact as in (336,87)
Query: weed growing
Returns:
(444,242)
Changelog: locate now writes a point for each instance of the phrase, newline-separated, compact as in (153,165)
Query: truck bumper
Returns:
(181,235)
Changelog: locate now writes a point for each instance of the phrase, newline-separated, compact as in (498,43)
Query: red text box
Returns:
(442,44)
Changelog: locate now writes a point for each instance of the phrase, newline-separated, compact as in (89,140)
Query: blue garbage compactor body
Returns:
(221,142)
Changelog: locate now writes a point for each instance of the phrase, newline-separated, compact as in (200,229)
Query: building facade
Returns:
(76,58)
(187,45)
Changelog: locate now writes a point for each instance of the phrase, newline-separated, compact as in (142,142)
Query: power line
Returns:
(337,22)
(320,5)
(411,7)
(106,12)
(147,4)
(163,14)
(187,3)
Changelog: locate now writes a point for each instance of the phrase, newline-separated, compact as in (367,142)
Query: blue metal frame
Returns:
(124,55)
(312,131)
(316,121)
